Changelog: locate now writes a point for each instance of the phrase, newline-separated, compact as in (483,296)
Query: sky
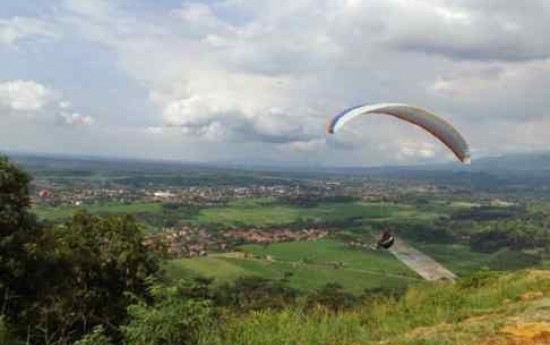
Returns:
(255,81)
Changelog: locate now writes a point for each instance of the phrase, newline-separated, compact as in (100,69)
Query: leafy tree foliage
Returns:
(57,283)
(95,268)
(18,235)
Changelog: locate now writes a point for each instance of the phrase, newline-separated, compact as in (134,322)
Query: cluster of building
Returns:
(82,193)
(261,236)
(192,241)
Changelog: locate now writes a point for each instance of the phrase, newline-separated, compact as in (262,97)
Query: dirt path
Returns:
(419,262)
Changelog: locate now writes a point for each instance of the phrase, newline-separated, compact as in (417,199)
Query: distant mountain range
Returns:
(534,164)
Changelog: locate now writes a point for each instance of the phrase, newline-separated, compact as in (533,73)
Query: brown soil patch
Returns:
(532,333)
(528,330)
(531,296)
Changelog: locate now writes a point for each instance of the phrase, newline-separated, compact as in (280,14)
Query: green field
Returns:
(263,213)
(362,269)
(462,260)
(459,258)
(53,213)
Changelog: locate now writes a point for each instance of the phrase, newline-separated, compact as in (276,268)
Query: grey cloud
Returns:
(269,128)
(488,31)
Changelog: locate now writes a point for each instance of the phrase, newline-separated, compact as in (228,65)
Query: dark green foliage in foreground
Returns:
(6,337)
(96,267)
(18,230)
(57,283)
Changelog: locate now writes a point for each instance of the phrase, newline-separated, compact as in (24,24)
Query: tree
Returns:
(57,283)
(96,267)
(19,232)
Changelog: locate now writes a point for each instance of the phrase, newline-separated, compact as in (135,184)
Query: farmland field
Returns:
(265,213)
(259,212)
(311,263)
(52,213)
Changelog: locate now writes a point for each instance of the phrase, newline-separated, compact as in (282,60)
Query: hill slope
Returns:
(488,309)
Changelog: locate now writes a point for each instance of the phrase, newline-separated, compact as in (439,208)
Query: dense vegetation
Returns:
(59,282)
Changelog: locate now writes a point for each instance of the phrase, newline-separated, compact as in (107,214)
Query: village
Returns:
(187,241)
(54,193)
(51,194)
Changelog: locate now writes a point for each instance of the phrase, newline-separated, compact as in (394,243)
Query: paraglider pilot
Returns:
(386,240)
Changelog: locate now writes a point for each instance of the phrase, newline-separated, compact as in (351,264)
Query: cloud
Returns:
(76,119)
(466,30)
(32,100)
(22,95)
(19,28)
(226,120)
(273,79)
(263,77)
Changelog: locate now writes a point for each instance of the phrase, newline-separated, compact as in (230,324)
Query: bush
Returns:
(334,297)
(507,259)
(171,320)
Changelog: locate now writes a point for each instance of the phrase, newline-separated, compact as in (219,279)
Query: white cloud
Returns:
(154,130)
(64,104)
(25,95)
(18,28)
(32,100)
(76,119)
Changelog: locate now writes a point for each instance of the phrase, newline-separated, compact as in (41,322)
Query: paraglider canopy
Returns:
(430,122)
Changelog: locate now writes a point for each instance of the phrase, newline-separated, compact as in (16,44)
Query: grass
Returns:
(362,269)
(219,267)
(263,213)
(54,213)
(459,258)
(439,313)
(462,260)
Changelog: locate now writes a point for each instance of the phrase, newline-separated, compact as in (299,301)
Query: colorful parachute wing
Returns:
(433,124)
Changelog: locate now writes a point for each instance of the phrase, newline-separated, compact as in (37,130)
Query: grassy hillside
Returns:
(512,308)
(462,260)
(312,265)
